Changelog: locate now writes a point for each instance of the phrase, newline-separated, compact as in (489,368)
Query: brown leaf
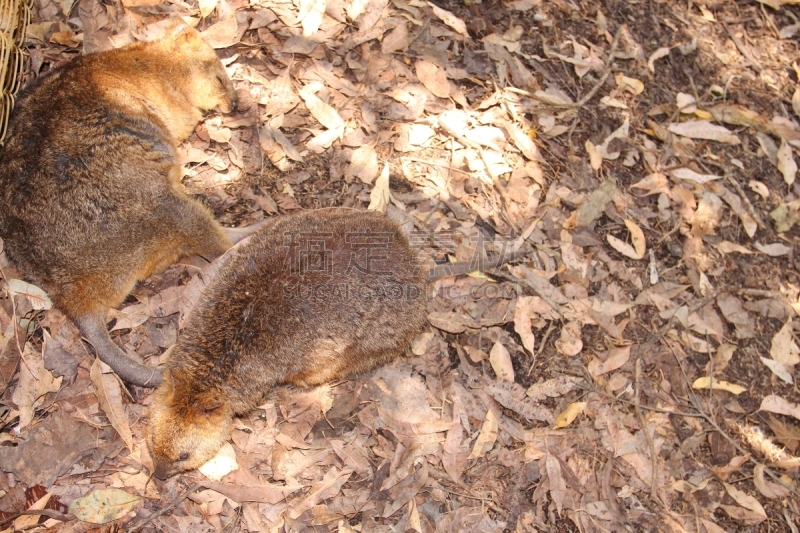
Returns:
(34,382)
(433,78)
(109,394)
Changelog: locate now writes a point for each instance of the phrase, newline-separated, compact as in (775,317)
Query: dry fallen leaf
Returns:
(34,382)
(109,394)
(486,438)
(379,195)
(615,359)
(433,78)
(655,56)
(786,163)
(570,413)
(639,248)
(104,505)
(715,384)
(36,296)
(746,501)
(704,129)
(501,362)
(775,404)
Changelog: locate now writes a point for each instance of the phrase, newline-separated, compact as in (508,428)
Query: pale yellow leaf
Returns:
(786,163)
(570,413)
(706,383)
(635,86)
(658,54)
(103,506)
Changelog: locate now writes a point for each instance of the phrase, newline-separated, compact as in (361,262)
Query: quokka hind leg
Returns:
(92,326)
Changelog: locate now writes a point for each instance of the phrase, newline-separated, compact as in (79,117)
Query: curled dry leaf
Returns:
(766,487)
(501,362)
(746,501)
(655,56)
(595,157)
(715,384)
(570,413)
(632,84)
(522,323)
(639,248)
(486,438)
(616,358)
(570,342)
(379,195)
(109,394)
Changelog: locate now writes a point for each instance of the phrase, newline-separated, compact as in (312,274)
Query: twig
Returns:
(718,429)
(50,513)
(603,77)
(748,56)
(185,494)
(542,344)
(651,342)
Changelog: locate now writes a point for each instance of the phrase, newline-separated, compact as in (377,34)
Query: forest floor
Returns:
(632,370)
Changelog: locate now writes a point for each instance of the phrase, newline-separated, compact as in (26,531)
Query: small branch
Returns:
(174,503)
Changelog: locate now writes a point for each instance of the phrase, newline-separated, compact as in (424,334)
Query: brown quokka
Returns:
(90,199)
(312,298)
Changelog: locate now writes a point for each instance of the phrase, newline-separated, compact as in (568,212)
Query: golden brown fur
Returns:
(267,320)
(89,196)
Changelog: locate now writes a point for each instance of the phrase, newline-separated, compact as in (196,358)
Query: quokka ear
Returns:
(208,403)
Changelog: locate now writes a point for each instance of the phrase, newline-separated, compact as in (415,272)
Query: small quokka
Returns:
(312,298)
(90,194)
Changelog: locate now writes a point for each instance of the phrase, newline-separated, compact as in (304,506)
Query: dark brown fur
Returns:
(90,199)
(258,326)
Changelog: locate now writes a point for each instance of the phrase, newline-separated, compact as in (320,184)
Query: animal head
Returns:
(204,79)
(187,427)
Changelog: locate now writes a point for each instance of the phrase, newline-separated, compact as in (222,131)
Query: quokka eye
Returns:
(184,456)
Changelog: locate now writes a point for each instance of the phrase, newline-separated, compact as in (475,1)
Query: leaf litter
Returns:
(591,384)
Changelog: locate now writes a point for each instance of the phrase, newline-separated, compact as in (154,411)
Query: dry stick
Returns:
(743,49)
(185,494)
(50,513)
